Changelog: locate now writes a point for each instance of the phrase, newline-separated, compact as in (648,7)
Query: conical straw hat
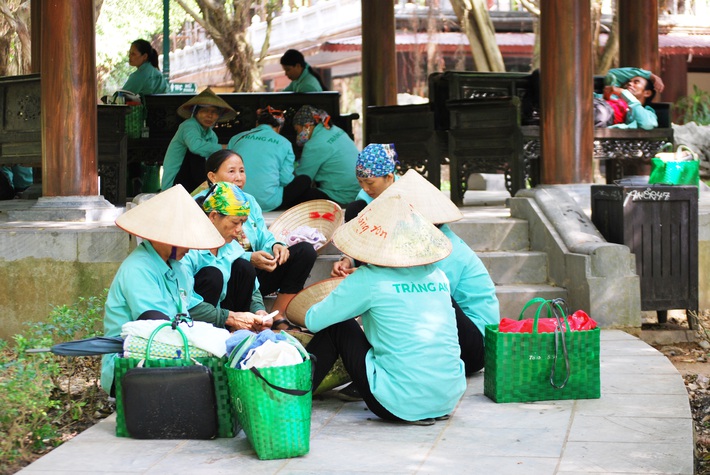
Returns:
(172,217)
(207,98)
(323,215)
(306,298)
(390,233)
(425,197)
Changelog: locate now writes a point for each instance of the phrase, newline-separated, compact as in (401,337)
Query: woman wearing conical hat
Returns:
(405,360)
(195,140)
(151,283)
(472,288)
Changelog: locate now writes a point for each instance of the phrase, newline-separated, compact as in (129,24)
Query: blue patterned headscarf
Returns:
(375,160)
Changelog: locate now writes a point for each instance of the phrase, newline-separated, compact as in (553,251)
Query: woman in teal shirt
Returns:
(328,157)
(194,140)
(269,162)
(405,360)
(278,267)
(303,78)
(151,283)
(147,79)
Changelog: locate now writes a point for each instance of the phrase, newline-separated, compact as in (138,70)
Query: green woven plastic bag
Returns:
(519,366)
(679,168)
(226,419)
(277,424)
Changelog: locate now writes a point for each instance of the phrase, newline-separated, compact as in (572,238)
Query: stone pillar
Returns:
(68,91)
(379,65)
(566,78)
(638,34)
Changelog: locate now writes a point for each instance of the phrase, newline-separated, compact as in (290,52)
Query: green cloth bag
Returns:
(226,418)
(679,168)
(523,367)
(273,405)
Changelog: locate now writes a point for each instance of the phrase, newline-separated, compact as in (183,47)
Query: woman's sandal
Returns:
(282,321)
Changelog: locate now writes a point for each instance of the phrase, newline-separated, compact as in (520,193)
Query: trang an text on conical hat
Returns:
(172,217)
(424,197)
(390,233)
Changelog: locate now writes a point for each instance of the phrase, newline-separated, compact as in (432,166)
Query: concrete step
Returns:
(515,267)
(512,298)
(493,233)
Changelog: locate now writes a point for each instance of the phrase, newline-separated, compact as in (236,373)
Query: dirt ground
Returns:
(693,362)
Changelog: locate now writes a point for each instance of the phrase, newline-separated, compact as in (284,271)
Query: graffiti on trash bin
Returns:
(647,195)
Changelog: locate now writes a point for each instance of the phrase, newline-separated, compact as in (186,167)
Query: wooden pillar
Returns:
(674,71)
(566,77)
(68,88)
(379,64)
(638,34)
(36,34)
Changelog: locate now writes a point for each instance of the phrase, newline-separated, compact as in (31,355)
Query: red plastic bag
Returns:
(579,320)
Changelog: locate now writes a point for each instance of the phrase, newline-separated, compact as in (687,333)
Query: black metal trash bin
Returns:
(659,224)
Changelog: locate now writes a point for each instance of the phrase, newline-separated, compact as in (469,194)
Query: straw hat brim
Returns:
(324,215)
(390,233)
(174,218)
(207,98)
(306,298)
(424,197)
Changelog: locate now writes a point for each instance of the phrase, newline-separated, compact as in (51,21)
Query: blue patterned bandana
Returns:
(375,160)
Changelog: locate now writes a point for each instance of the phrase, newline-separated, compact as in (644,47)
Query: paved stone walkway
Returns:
(642,424)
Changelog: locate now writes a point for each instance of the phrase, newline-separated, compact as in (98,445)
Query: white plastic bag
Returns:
(270,353)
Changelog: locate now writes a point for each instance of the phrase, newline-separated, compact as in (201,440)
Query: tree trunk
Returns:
(477,25)
(229,35)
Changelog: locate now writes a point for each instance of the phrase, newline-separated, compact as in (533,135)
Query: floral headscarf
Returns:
(311,115)
(226,199)
(375,160)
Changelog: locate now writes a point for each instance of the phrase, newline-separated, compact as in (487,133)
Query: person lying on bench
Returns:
(625,101)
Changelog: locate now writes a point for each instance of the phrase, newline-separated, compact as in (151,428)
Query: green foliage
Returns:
(693,108)
(38,392)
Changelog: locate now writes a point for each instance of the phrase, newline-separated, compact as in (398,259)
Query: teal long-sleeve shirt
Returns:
(144,281)
(306,82)
(414,367)
(329,159)
(190,136)
(471,284)
(268,162)
(146,80)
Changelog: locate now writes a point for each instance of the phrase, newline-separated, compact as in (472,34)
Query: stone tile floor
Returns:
(642,424)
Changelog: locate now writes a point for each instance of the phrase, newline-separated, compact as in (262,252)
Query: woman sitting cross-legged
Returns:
(151,283)
(234,300)
(405,360)
(278,267)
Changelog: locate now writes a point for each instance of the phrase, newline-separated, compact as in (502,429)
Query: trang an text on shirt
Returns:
(413,287)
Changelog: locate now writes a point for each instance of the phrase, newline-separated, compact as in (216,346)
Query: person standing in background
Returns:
(147,79)
(303,77)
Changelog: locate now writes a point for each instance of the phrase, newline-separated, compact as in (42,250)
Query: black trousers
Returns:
(192,172)
(294,192)
(347,340)
(470,341)
(240,287)
(289,277)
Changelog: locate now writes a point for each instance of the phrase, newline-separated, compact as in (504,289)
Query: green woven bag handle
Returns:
(560,314)
(186,346)
(542,304)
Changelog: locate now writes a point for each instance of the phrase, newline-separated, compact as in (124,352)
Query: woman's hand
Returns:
(657,83)
(281,253)
(342,268)
(263,260)
(246,321)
